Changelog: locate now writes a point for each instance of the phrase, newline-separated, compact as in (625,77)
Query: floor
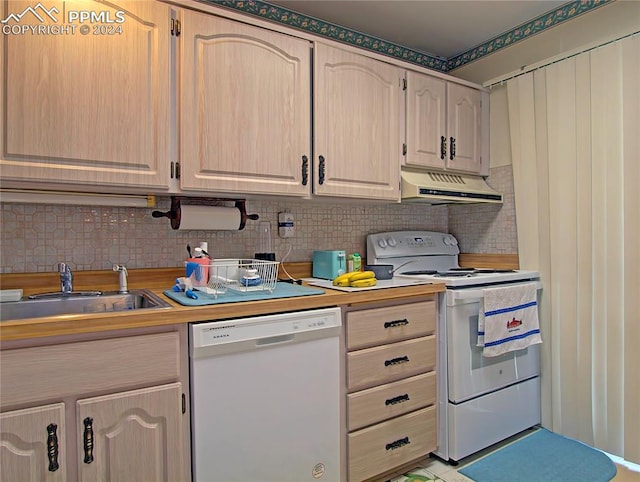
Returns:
(444,472)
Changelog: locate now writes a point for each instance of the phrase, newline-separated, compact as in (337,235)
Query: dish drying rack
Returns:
(239,275)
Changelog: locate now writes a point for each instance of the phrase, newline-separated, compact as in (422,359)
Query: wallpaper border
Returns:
(331,31)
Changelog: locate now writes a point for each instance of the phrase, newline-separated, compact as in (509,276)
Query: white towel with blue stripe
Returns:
(508,319)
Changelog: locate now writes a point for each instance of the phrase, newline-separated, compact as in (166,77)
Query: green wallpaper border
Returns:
(331,31)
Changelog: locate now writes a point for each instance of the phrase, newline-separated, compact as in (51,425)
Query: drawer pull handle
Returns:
(87,438)
(391,324)
(398,399)
(396,361)
(398,443)
(52,447)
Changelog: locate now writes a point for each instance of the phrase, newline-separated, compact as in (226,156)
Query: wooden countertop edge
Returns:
(178,314)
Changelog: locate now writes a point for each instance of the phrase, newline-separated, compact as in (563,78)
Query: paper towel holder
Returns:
(174,214)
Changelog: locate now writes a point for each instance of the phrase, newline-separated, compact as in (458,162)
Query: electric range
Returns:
(481,400)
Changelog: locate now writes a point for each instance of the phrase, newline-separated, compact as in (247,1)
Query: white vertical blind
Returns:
(574,132)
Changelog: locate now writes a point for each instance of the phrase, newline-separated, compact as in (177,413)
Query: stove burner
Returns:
(458,273)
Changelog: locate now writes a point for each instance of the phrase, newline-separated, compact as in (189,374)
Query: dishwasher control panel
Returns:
(268,327)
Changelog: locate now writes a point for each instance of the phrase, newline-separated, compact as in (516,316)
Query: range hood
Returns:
(431,187)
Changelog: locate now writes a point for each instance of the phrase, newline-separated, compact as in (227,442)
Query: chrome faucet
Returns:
(66,278)
(122,278)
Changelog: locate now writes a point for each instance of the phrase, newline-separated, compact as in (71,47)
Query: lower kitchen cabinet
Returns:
(125,436)
(31,441)
(391,385)
(96,410)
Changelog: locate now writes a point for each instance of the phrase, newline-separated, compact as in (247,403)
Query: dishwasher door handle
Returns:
(273,340)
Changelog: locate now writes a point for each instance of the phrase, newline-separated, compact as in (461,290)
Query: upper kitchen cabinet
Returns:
(358,112)
(86,104)
(444,125)
(245,108)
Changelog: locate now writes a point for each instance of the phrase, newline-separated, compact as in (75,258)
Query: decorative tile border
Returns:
(331,31)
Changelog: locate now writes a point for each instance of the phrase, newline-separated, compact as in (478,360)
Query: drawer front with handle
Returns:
(383,402)
(382,447)
(382,364)
(389,324)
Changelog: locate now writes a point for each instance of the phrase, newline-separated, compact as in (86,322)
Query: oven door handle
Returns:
(474,294)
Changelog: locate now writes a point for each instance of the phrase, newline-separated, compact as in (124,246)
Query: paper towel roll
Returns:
(212,218)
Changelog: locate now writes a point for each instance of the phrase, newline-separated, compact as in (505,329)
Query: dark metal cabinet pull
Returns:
(87,438)
(321,171)
(305,170)
(391,324)
(398,399)
(396,361)
(398,443)
(452,150)
(443,147)
(52,447)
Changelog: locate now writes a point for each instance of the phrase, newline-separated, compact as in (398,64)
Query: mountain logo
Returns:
(17,17)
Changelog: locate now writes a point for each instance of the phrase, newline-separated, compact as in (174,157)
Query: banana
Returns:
(363,283)
(359,275)
(347,278)
(343,279)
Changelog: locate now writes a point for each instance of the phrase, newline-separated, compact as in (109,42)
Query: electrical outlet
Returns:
(285,225)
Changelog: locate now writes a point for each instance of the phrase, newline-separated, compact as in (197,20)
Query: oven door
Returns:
(470,374)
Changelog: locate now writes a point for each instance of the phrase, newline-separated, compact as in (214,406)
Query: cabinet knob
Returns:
(398,399)
(305,170)
(391,324)
(398,443)
(396,361)
(87,438)
(52,447)
(321,170)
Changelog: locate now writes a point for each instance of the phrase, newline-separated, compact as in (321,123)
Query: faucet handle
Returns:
(63,268)
(119,267)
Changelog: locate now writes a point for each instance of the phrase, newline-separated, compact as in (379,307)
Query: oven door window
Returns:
(470,374)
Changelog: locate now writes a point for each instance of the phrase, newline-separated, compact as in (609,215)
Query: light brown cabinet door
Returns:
(245,108)
(464,112)
(427,142)
(87,107)
(358,112)
(444,122)
(135,435)
(32,447)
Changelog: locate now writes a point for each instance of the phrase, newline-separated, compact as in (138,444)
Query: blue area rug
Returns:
(543,457)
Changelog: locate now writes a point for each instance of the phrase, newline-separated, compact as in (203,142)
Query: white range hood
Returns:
(431,187)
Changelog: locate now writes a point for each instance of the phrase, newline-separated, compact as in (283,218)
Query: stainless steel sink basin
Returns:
(96,302)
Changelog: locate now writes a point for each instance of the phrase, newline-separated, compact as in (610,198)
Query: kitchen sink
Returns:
(51,304)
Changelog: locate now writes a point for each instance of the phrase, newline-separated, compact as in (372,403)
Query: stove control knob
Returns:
(450,240)
(382,243)
(391,242)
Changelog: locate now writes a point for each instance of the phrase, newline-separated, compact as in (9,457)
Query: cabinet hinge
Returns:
(184,404)
(175,27)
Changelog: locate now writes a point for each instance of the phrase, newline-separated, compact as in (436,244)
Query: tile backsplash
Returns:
(36,237)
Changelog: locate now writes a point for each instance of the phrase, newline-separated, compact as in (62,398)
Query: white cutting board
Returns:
(386,283)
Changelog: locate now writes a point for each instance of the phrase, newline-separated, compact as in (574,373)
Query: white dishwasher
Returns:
(265,398)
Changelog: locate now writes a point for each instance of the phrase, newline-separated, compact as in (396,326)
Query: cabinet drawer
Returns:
(389,324)
(370,406)
(383,447)
(386,363)
(70,369)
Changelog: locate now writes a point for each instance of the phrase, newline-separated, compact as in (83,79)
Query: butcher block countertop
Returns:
(157,281)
